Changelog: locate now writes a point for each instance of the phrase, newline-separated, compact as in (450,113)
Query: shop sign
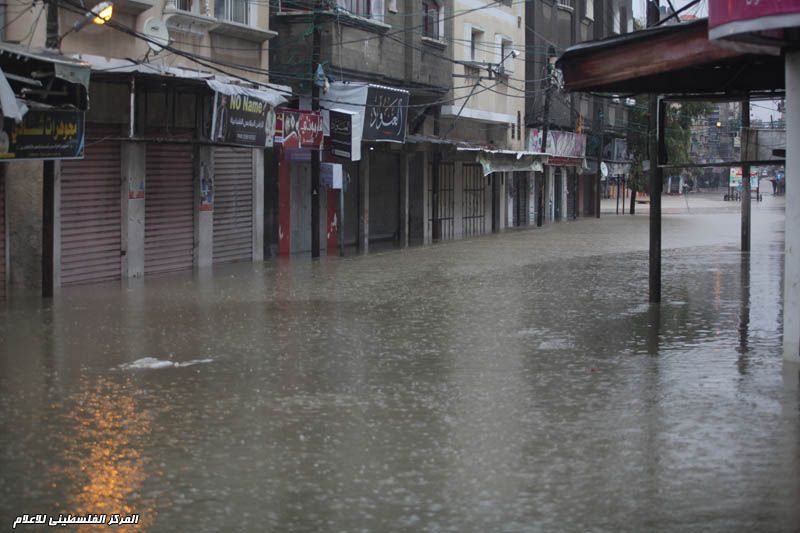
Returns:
(341,128)
(385,118)
(51,134)
(299,129)
(559,143)
(727,18)
(242,119)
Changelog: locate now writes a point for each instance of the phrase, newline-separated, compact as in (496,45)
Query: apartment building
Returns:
(149,188)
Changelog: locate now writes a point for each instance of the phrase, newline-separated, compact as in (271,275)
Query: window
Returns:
(504,59)
(475,38)
(430,19)
(233,10)
(570,4)
(362,8)
(588,9)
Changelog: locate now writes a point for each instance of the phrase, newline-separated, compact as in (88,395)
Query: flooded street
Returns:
(518,382)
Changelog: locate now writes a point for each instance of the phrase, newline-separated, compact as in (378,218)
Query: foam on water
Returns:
(151,363)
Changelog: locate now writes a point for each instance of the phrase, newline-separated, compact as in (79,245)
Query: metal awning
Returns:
(670,59)
(101,66)
(45,76)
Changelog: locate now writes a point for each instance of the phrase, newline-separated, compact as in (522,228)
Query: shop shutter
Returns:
(233,204)
(90,217)
(2,238)
(169,208)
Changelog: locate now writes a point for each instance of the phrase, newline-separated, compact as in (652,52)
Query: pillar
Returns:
(258,205)
(363,202)
(746,209)
(204,218)
(791,295)
(133,197)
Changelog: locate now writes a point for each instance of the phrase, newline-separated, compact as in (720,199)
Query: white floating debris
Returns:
(151,363)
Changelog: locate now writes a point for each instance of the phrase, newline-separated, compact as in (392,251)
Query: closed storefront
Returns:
(473,211)
(90,212)
(442,201)
(169,208)
(233,205)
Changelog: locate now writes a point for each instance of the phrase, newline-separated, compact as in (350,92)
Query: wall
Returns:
(24,180)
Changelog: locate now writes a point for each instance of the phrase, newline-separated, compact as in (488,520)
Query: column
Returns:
(204,220)
(258,205)
(363,202)
(133,197)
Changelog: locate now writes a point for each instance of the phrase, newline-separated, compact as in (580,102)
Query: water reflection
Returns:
(100,469)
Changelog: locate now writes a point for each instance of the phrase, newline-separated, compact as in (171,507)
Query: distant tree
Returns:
(678,133)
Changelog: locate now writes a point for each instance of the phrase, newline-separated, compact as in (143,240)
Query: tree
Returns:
(678,137)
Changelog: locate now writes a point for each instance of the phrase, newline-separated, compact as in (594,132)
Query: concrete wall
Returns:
(24,181)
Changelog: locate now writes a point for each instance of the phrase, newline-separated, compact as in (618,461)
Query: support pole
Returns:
(48,228)
(599,162)
(746,182)
(791,282)
(51,38)
(657,149)
(315,182)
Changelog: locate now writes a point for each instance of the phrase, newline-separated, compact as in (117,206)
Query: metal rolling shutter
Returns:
(233,205)
(169,208)
(2,237)
(90,215)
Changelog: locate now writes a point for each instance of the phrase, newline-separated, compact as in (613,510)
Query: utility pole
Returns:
(545,133)
(315,182)
(51,40)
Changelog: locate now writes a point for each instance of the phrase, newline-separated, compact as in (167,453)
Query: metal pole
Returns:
(315,183)
(48,228)
(341,221)
(657,153)
(746,180)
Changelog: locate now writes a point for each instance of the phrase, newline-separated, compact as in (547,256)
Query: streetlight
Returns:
(99,14)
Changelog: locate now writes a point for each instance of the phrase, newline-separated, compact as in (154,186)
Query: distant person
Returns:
(774,186)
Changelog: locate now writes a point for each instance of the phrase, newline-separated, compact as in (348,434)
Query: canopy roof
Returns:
(668,60)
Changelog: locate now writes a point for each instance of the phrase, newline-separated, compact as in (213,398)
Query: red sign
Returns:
(727,18)
(298,129)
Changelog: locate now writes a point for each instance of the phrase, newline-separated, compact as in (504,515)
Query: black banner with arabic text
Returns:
(385,118)
(50,134)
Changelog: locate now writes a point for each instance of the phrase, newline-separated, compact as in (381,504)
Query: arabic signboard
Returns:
(242,119)
(299,129)
(728,18)
(341,129)
(385,119)
(562,144)
(51,134)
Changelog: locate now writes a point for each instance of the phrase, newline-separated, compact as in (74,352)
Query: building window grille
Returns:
(570,4)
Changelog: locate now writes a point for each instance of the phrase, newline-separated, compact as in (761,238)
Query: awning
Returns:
(269,96)
(44,76)
(506,160)
(669,59)
(229,85)
(11,107)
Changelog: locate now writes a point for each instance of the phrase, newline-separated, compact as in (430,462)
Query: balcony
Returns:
(133,7)
(235,18)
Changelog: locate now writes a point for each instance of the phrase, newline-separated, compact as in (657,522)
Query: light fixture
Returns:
(102,12)
(99,14)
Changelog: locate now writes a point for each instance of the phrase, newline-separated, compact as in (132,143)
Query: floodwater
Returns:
(518,382)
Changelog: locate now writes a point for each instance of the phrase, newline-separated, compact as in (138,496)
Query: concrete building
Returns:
(551,27)
(399,46)
(156,190)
